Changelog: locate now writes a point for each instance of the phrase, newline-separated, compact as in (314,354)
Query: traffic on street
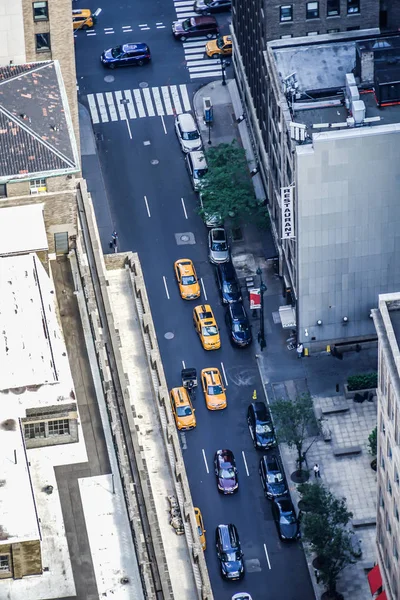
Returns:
(144,124)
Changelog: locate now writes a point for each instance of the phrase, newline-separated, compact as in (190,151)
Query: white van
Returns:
(197,167)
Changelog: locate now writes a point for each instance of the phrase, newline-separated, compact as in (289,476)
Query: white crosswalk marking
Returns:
(121,107)
(175,98)
(158,102)
(93,109)
(111,107)
(198,75)
(139,103)
(102,108)
(185,97)
(191,51)
(205,63)
(200,41)
(184,14)
(167,101)
(130,105)
(149,104)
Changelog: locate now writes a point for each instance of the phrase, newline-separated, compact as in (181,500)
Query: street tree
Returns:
(226,187)
(292,418)
(337,555)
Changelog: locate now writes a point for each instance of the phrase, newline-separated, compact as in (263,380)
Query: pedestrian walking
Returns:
(316,471)
(299,349)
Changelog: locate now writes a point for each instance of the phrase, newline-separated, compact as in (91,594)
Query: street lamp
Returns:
(263,289)
(223,70)
(209,132)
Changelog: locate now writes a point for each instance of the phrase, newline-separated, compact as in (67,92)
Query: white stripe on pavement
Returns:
(183,3)
(158,102)
(130,105)
(139,103)
(93,109)
(167,101)
(189,51)
(202,62)
(111,107)
(199,42)
(185,97)
(199,75)
(199,69)
(190,57)
(205,461)
(175,98)
(102,108)
(183,13)
(149,104)
(121,107)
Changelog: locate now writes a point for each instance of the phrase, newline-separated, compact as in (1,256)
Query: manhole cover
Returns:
(185,238)
(143,84)
(154,161)
(109,78)
(169,335)
(253,565)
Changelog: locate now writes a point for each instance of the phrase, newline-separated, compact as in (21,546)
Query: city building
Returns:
(386,574)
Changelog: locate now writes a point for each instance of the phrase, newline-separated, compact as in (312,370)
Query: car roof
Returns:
(205,311)
(227,271)
(186,266)
(180,396)
(218,233)
(237,310)
(198,159)
(225,532)
(261,410)
(186,121)
(84,12)
(134,46)
(285,502)
(272,463)
(204,20)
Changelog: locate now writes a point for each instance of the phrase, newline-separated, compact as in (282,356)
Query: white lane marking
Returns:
(102,108)
(129,128)
(93,109)
(126,26)
(111,107)
(184,208)
(203,62)
(205,460)
(208,74)
(192,57)
(130,105)
(183,15)
(209,68)
(175,98)
(121,107)
(142,24)
(189,51)
(166,287)
(204,289)
(160,26)
(147,206)
(108,32)
(139,103)
(183,364)
(225,377)
(93,34)
(159,23)
(185,96)
(245,464)
(266,554)
(196,43)
(108,28)
(167,101)
(144,28)
(149,103)
(183,3)
(163,124)
(158,101)
(127,31)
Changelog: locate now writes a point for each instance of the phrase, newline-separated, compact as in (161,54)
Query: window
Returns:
(389,450)
(332,30)
(34,430)
(333,8)
(38,186)
(312,33)
(286,13)
(4,562)
(396,476)
(312,10)
(389,486)
(3,190)
(395,551)
(40,11)
(353,6)
(60,427)
(285,37)
(42,42)
(396,512)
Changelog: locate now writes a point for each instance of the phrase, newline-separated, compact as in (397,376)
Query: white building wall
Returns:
(12,39)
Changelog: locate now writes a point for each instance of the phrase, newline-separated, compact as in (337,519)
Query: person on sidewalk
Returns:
(299,350)
(316,471)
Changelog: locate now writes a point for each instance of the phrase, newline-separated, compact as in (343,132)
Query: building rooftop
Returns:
(22,229)
(36,132)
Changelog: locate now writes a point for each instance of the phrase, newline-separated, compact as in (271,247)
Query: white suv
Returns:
(187,133)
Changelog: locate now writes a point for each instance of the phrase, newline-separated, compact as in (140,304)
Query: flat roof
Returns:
(22,229)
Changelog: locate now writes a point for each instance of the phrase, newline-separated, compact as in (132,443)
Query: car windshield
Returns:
(219,246)
(199,173)
(220,41)
(183,411)
(210,330)
(275,478)
(214,390)
(263,428)
(188,280)
(186,24)
(231,287)
(190,135)
(230,556)
(227,473)
(287,518)
(240,327)
(116,52)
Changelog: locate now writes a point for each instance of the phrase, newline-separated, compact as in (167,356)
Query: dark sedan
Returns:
(207,7)
(285,519)
(228,285)
(226,472)
(238,325)
(126,55)
(272,477)
(260,426)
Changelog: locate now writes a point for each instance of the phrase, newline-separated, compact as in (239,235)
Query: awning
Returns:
(382,596)
(288,316)
(375,580)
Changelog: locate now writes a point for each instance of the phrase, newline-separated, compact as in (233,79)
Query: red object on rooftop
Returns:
(382,596)
(375,581)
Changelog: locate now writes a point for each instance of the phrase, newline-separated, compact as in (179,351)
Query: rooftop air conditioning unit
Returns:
(358,111)
(350,82)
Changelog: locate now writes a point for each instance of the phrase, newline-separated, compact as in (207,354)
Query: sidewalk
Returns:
(283,375)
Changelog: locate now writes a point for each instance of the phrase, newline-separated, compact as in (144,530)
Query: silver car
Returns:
(187,133)
(218,249)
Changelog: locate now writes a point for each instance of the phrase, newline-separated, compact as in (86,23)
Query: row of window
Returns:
(37,186)
(311,33)
(41,13)
(312,10)
(38,430)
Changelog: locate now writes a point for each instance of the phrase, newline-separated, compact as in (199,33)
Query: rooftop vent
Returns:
(298,132)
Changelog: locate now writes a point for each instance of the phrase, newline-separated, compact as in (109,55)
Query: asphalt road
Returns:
(152,204)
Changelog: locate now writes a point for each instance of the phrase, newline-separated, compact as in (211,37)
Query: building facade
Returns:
(387,322)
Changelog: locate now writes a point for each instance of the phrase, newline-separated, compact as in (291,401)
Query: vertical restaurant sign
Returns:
(287,213)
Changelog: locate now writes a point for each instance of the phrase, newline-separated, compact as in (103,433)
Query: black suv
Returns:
(195,26)
(228,285)
(238,325)
(206,7)
(126,55)
(273,477)
(229,552)
(285,519)
(260,426)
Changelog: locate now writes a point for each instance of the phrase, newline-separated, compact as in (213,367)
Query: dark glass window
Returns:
(353,6)
(286,13)
(42,42)
(40,11)
(312,10)
(333,8)
(353,28)
(333,31)
(3,190)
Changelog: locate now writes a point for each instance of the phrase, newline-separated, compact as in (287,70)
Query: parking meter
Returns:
(207,110)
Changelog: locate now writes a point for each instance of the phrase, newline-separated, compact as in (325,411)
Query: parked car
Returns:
(220,47)
(187,133)
(238,325)
(272,476)
(260,426)
(206,327)
(194,27)
(209,218)
(218,249)
(197,167)
(229,552)
(206,7)
(200,527)
(127,55)
(285,519)
(226,472)
(227,282)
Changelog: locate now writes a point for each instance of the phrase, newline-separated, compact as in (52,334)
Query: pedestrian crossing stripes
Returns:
(184,9)
(198,63)
(123,105)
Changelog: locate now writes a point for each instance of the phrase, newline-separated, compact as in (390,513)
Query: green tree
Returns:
(226,187)
(336,556)
(292,419)
(373,442)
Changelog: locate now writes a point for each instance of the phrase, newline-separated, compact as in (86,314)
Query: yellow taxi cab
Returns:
(206,327)
(200,527)
(189,287)
(222,46)
(182,408)
(82,18)
(213,388)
